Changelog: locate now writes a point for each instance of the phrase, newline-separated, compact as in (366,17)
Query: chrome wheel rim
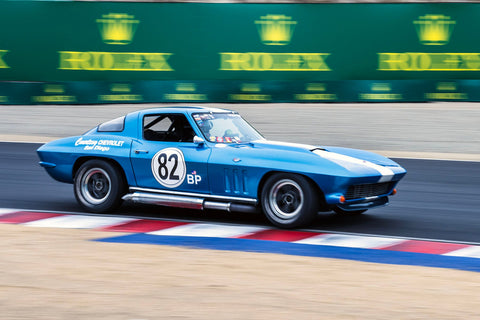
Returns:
(286,199)
(96,186)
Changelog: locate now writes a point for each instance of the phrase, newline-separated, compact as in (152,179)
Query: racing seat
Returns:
(181,131)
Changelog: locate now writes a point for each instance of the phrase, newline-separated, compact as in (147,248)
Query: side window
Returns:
(167,127)
(115,125)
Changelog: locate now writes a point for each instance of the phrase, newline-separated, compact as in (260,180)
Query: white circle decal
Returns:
(168,167)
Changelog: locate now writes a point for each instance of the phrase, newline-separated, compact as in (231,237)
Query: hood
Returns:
(354,153)
(356,162)
(283,146)
(363,155)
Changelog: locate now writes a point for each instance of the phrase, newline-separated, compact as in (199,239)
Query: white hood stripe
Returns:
(348,163)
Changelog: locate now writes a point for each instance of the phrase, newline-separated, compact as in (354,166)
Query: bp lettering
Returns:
(194,179)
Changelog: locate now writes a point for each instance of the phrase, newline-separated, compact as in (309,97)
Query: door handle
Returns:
(141,151)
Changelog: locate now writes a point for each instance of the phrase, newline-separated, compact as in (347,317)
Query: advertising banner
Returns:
(114,52)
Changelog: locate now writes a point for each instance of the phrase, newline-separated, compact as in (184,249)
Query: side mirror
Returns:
(198,140)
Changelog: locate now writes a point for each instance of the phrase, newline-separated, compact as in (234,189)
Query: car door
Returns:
(166,157)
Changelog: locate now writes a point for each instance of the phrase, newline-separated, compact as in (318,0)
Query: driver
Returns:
(206,126)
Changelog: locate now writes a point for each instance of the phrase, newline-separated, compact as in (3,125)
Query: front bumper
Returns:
(364,204)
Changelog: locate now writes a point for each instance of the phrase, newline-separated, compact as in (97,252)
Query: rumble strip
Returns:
(377,249)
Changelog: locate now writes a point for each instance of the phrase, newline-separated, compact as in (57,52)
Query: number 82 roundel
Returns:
(168,167)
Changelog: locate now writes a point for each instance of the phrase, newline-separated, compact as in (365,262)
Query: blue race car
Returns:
(206,158)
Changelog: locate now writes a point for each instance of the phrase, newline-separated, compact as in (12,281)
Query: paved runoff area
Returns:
(447,131)
(365,248)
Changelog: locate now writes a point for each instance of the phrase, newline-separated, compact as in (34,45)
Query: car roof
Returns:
(182,109)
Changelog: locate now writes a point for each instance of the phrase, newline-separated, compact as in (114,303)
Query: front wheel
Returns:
(99,186)
(289,200)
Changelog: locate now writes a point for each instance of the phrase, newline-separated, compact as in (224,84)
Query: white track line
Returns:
(340,240)
(471,252)
(209,230)
(78,222)
(7,211)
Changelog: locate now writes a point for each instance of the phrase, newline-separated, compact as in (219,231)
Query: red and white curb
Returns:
(195,229)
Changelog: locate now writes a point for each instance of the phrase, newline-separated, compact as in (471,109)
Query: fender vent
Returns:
(236,181)
(368,190)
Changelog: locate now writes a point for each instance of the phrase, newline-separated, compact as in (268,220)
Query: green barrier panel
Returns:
(191,92)
(118,52)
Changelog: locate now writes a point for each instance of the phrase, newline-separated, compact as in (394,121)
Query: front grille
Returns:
(367,190)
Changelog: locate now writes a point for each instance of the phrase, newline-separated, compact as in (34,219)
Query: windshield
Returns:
(226,128)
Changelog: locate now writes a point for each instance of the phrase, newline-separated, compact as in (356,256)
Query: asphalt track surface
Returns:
(437,200)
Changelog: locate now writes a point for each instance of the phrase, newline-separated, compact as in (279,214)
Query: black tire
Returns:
(289,200)
(348,213)
(99,186)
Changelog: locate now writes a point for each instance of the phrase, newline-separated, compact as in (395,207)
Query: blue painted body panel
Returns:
(223,169)
(196,161)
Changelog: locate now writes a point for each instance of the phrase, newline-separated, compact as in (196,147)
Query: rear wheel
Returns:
(289,200)
(99,186)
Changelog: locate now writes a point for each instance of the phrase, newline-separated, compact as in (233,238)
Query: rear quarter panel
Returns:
(65,153)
